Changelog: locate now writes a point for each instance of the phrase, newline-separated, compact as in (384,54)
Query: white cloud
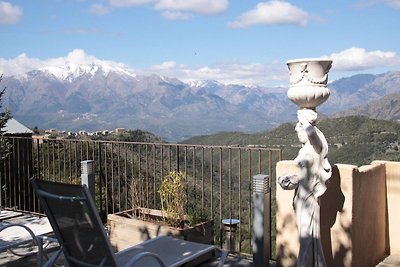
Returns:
(129,3)
(23,64)
(99,9)
(274,73)
(170,9)
(78,56)
(356,59)
(272,12)
(82,31)
(266,74)
(19,65)
(227,73)
(167,65)
(392,3)
(9,14)
(176,15)
(206,7)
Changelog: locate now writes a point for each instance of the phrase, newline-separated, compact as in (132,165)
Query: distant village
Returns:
(56,134)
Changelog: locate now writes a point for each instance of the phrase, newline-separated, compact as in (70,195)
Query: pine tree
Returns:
(5,115)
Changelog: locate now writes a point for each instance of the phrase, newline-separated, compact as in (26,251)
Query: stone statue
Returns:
(309,185)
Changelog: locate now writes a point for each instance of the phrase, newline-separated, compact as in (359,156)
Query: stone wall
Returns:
(354,221)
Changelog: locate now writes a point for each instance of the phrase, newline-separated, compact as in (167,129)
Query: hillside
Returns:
(352,140)
(358,90)
(385,108)
(130,136)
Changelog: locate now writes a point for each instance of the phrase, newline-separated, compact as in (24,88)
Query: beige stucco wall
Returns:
(393,202)
(353,210)
(369,216)
(287,245)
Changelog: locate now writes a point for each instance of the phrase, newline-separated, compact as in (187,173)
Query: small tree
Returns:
(5,115)
(173,198)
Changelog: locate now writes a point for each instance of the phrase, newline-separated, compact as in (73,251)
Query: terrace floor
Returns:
(10,260)
(17,257)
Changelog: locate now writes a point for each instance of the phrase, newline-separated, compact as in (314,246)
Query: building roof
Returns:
(14,127)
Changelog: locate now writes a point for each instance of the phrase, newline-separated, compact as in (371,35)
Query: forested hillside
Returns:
(352,140)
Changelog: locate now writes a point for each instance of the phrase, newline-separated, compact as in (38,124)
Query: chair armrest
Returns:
(141,255)
(34,237)
(36,240)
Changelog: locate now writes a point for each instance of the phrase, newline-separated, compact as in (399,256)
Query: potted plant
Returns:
(138,224)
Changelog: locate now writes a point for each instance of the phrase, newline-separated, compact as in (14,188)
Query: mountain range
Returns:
(96,97)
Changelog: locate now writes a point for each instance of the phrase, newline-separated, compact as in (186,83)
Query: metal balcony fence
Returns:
(128,174)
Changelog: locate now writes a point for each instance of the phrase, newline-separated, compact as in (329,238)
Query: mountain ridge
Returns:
(354,140)
(96,96)
(384,108)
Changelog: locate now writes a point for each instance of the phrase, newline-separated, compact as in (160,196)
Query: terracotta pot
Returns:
(308,79)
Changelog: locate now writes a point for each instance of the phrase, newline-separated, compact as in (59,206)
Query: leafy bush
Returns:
(5,115)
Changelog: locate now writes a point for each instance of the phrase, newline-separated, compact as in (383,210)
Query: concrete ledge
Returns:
(390,261)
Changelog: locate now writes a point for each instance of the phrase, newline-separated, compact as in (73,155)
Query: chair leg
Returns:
(224,255)
(53,259)
(40,251)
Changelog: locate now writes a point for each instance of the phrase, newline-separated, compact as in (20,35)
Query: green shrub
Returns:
(173,198)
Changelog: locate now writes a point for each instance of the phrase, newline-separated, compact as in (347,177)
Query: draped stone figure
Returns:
(309,185)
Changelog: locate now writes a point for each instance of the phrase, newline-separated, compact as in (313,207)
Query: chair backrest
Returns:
(76,223)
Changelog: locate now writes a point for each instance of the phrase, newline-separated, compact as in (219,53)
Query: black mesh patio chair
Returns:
(77,225)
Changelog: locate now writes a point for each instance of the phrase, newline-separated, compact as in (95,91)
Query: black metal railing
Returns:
(127,174)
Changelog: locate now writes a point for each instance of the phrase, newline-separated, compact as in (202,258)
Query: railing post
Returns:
(261,222)
(87,176)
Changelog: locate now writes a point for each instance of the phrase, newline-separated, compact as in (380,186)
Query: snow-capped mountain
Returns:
(92,97)
(77,63)
(79,92)
(71,72)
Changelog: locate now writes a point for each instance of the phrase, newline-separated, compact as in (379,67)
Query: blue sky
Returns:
(232,41)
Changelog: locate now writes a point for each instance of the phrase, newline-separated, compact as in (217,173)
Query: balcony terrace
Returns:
(127,174)
(359,220)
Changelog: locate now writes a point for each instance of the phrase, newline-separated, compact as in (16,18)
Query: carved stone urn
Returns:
(308,79)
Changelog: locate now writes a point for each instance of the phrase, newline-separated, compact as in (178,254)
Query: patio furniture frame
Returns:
(77,225)
(17,238)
